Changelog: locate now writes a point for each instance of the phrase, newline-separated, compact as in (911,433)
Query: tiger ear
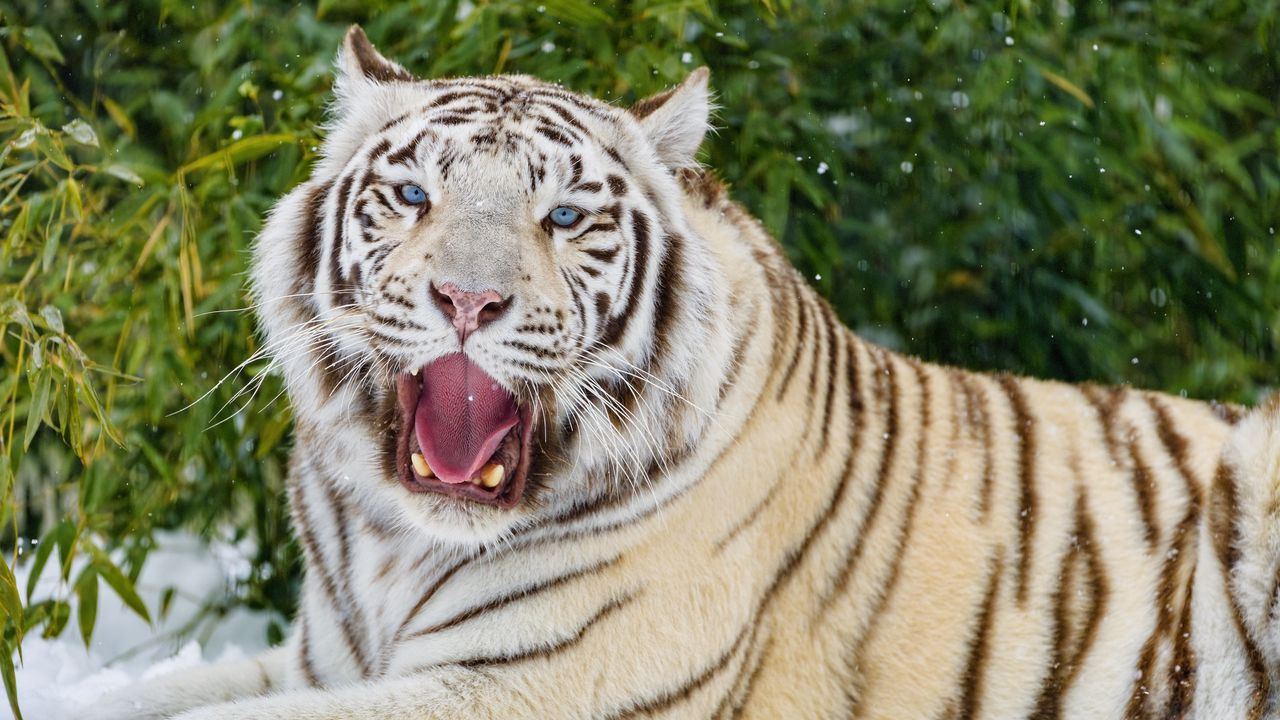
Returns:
(675,121)
(360,64)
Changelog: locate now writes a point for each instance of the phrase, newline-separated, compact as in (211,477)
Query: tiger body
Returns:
(741,509)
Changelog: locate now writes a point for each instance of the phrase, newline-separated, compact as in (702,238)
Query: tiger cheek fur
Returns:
(714,500)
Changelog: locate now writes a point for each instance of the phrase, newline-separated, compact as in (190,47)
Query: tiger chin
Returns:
(575,440)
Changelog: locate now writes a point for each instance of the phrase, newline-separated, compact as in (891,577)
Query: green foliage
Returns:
(1076,189)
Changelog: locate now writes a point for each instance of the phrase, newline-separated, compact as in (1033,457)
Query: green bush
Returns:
(1076,189)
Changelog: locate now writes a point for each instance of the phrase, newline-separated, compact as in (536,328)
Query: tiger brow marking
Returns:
(516,596)
(544,93)
(614,156)
(406,153)
(553,135)
(567,116)
(1025,430)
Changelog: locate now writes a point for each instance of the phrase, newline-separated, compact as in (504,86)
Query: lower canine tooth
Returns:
(492,475)
(420,465)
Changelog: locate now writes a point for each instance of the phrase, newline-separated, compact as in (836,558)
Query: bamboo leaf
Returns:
(43,550)
(10,678)
(118,581)
(237,152)
(87,610)
(41,44)
(1068,87)
(10,599)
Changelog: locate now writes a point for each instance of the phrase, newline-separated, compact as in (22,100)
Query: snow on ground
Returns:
(57,675)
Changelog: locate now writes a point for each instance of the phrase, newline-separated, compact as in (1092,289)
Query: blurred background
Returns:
(1074,189)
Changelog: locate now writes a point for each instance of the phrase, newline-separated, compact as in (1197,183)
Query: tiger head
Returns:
(487,302)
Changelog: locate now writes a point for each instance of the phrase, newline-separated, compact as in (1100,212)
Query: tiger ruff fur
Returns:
(737,507)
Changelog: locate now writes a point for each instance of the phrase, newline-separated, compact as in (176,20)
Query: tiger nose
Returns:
(468,310)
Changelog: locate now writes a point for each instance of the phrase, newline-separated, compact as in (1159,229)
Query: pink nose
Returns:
(468,310)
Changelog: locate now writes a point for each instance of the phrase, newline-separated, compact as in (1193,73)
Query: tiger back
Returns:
(574,439)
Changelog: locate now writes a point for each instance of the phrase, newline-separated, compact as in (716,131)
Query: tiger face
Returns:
(486,296)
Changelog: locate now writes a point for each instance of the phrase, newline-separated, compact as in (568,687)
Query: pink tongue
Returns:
(462,416)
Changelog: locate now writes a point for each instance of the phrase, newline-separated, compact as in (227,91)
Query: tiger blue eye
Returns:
(564,216)
(413,194)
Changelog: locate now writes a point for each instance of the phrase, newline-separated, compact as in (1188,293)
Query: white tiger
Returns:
(574,440)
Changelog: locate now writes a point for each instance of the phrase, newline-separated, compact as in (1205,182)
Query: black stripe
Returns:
(304,653)
(409,151)
(670,289)
(1024,428)
(430,592)
(835,350)
(343,577)
(887,460)
(309,243)
(639,262)
(542,651)
(980,645)
(341,605)
(801,338)
(553,135)
(671,698)
(518,595)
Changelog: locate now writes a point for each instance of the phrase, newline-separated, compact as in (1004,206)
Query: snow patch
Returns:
(58,675)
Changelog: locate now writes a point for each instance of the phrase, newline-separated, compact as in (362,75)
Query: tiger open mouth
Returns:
(462,434)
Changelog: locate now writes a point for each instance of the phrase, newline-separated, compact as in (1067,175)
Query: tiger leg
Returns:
(168,695)
(426,696)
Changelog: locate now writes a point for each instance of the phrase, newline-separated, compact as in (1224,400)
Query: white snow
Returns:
(57,675)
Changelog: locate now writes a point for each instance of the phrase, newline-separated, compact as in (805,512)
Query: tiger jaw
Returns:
(461,434)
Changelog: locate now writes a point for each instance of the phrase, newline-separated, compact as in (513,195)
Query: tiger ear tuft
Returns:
(359,61)
(675,121)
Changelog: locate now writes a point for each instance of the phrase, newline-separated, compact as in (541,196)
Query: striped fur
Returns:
(739,508)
